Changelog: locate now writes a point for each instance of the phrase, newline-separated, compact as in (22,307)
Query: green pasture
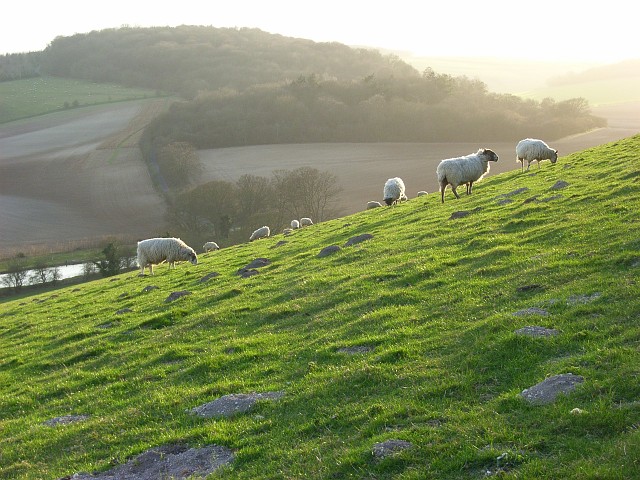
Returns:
(36,96)
(429,306)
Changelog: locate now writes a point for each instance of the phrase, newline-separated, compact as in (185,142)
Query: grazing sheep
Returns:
(154,251)
(262,232)
(394,191)
(373,204)
(531,149)
(464,170)
(207,247)
(422,193)
(305,222)
(295,224)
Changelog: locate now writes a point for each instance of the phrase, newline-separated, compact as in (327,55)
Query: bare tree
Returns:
(307,192)
(16,276)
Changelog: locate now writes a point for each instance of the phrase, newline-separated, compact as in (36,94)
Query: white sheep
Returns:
(262,232)
(295,224)
(207,247)
(373,204)
(154,251)
(532,149)
(305,222)
(394,191)
(464,170)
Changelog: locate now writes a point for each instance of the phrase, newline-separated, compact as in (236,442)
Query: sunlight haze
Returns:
(544,31)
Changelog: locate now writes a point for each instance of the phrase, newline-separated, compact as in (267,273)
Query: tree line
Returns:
(228,212)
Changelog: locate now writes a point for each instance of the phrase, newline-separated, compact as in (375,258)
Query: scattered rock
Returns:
(530,200)
(356,350)
(176,295)
(122,311)
(279,244)
(66,420)
(326,251)
(531,311)
(546,391)
(505,201)
(123,295)
(583,299)
(209,276)
(250,269)
(358,239)
(551,199)
(148,288)
(534,331)
(167,461)
(560,184)
(258,263)
(459,214)
(232,404)
(390,447)
(245,273)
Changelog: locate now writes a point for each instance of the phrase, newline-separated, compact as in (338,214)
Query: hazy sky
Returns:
(542,30)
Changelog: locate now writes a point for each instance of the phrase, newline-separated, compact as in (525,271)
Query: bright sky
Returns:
(549,30)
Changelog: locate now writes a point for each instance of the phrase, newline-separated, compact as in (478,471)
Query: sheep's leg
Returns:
(453,189)
(469,188)
(443,186)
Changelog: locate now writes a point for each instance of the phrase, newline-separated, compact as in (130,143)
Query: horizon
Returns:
(553,32)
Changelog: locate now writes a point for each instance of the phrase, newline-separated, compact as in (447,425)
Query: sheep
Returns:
(394,191)
(262,232)
(305,222)
(464,170)
(422,193)
(373,204)
(207,247)
(531,149)
(295,224)
(154,251)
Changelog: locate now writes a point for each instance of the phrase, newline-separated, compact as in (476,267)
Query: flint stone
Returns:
(547,391)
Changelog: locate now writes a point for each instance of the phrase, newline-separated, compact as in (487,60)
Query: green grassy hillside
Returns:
(427,310)
(40,95)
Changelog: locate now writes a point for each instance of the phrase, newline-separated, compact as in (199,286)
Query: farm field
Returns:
(77,176)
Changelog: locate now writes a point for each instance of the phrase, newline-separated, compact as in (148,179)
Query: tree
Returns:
(15,276)
(111,264)
(179,163)
(306,192)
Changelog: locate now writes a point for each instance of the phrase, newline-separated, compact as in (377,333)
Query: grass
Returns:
(36,96)
(433,298)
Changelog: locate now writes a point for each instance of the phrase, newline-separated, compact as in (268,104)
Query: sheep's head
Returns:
(554,156)
(193,258)
(489,154)
(389,201)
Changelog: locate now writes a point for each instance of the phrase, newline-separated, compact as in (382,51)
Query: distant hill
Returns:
(189,59)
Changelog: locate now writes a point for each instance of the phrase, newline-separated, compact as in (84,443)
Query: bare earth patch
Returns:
(169,461)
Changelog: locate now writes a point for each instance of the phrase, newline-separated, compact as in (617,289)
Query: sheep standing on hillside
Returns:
(295,224)
(394,191)
(305,222)
(154,251)
(534,150)
(262,232)
(464,170)
(207,247)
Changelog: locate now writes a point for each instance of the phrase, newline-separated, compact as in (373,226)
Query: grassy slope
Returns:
(434,298)
(37,96)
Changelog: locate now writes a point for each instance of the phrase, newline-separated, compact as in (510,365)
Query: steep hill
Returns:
(402,355)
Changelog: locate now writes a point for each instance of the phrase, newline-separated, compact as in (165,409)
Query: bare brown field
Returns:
(70,179)
(61,187)
(362,169)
